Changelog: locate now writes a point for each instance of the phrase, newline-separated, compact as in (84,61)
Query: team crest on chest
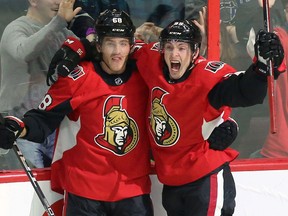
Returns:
(120,132)
(163,127)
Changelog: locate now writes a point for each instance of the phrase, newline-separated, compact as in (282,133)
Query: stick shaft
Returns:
(270,79)
(33,181)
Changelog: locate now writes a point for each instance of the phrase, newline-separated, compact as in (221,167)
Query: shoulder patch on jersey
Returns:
(214,66)
(156,47)
(77,73)
(136,47)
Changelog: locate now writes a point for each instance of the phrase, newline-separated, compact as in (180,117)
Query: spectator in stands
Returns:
(26,48)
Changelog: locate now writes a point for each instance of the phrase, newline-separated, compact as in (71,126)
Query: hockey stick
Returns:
(270,78)
(33,181)
(31,177)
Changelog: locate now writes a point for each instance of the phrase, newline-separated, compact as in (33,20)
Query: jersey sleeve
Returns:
(240,89)
(60,100)
(147,59)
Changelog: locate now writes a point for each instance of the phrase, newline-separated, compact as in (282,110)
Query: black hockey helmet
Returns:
(181,30)
(113,23)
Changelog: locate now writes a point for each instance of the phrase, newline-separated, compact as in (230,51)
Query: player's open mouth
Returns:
(175,65)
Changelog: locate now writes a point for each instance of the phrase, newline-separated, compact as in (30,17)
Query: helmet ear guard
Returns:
(113,23)
(181,30)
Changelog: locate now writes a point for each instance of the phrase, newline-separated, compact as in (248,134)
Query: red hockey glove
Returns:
(67,58)
(223,135)
(10,129)
(268,47)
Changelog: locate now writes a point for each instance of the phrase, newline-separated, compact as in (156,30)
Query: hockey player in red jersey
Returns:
(189,96)
(102,157)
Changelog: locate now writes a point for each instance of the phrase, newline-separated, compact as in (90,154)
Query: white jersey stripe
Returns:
(220,193)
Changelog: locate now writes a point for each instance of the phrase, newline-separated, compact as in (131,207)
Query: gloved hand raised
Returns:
(268,47)
(223,135)
(67,58)
(10,129)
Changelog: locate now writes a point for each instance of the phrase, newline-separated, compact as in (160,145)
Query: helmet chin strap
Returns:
(195,55)
(193,58)
(106,64)
(101,58)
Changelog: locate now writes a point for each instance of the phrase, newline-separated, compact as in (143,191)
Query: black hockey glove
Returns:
(10,129)
(223,135)
(268,47)
(67,58)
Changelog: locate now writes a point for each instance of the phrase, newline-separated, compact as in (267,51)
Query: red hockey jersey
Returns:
(181,118)
(102,149)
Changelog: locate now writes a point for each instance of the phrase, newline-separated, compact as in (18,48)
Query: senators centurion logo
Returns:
(163,127)
(120,132)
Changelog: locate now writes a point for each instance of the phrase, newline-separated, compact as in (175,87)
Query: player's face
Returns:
(115,53)
(46,9)
(177,56)
(160,126)
(120,134)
